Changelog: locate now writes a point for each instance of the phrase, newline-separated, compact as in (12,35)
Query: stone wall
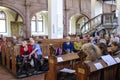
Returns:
(27,8)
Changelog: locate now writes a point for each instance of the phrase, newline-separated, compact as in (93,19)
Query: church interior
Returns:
(60,39)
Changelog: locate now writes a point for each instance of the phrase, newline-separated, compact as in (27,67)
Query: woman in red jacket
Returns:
(25,49)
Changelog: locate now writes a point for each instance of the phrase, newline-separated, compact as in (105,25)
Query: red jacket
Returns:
(22,50)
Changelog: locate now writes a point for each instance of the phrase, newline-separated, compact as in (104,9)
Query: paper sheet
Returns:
(67,70)
(117,59)
(98,65)
(109,60)
(46,57)
(59,59)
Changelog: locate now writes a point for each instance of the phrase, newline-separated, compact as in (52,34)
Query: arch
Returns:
(14,9)
(73,22)
(37,12)
(13,19)
(83,15)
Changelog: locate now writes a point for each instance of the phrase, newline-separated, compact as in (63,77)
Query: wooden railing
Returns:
(91,24)
(107,20)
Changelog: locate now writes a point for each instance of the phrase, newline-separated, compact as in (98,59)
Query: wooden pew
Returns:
(9,53)
(45,45)
(110,72)
(3,48)
(118,68)
(8,58)
(88,71)
(55,65)
(16,51)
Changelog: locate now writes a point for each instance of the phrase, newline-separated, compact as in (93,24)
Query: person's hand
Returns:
(68,50)
(29,56)
(36,56)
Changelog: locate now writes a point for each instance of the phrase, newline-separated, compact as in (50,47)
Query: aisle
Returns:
(5,75)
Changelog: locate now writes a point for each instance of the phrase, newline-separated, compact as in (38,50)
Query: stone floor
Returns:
(5,75)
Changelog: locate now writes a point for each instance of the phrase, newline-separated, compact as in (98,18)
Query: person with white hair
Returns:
(67,46)
(36,54)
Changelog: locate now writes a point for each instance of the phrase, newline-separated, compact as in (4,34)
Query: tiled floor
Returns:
(5,75)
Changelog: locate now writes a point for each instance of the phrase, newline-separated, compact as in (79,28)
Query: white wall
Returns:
(96,8)
(10,16)
(72,25)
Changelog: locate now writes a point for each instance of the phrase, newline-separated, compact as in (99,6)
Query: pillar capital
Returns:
(27,3)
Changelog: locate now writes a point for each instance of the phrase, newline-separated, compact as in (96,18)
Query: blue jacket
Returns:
(66,46)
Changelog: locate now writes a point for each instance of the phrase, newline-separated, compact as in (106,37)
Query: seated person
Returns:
(77,44)
(25,50)
(103,48)
(36,54)
(67,46)
(91,51)
(114,49)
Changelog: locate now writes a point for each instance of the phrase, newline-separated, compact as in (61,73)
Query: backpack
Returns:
(58,51)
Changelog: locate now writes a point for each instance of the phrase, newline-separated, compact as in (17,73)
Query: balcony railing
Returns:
(106,20)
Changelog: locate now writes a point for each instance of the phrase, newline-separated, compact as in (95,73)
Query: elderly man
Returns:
(36,54)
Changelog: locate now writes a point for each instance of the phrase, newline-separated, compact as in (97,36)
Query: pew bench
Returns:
(98,70)
(56,63)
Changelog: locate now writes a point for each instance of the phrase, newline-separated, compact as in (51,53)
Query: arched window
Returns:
(34,24)
(37,23)
(3,27)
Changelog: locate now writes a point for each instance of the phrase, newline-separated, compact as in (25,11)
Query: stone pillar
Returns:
(96,8)
(27,19)
(55,19)
(118,15)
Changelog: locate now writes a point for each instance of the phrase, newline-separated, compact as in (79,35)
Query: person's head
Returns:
(77,38)
(32,41)
(103,48)
(44,37)
(92,51)
(114,46)
(67,39)
(4,39)
(85,40)
(24,43)
(14,37)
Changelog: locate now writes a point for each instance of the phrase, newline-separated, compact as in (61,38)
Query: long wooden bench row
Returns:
(88,71)
(10,52)
(8,57)
(83,70)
